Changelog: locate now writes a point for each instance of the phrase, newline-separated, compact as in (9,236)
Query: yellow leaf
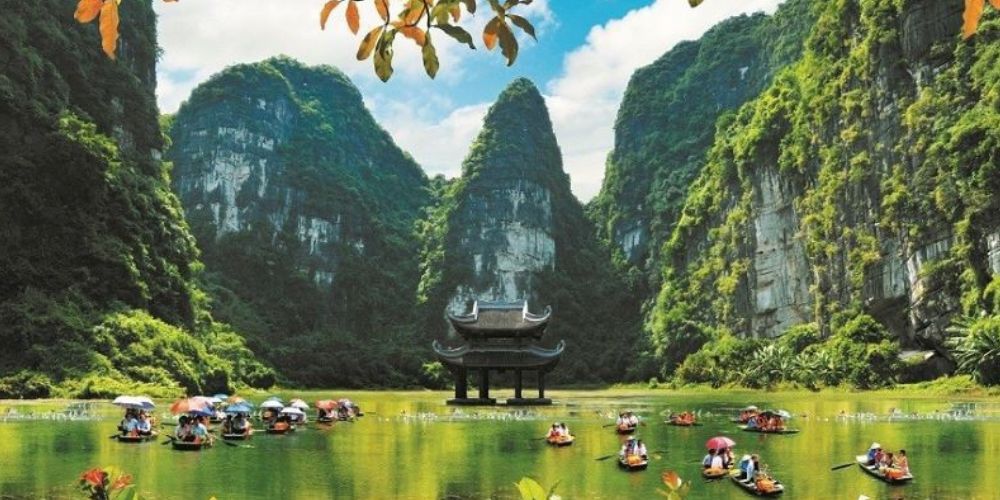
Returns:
(87,10)
(325,14)
(995,4)
(415,34)
(353,18)
(415,12)
(382,6)
(973,11)
(109,27)
(695,3)
(490,33)
(456,13)
(671,479)
(368,43)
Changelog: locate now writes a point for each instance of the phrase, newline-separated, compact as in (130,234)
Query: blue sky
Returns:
(585,53)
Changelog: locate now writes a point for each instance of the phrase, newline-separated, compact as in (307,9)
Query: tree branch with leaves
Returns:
(417,20)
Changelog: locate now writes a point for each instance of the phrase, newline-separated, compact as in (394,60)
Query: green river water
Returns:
(410,445)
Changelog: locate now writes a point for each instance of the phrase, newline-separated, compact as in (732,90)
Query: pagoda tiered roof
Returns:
(499,320)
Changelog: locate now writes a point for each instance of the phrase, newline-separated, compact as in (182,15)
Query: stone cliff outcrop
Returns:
(510,229)
(304,209)
(846,186)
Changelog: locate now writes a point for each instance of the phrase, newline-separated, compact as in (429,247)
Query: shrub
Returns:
(975,345)
(434,375)
(698,368)
(798,337)
(25,385)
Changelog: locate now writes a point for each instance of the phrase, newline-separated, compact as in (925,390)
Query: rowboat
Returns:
(135,439)
(751,487)
(241,436)
(625,430)
(560,440)
(189,445)
(633,463)
(715,473)
(680,423)
(747,428)
(874,471)
(280,430)
(326,420)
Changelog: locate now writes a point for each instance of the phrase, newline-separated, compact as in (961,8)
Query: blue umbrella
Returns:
(239,408)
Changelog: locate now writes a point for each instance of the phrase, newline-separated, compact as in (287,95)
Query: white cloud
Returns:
(584,100)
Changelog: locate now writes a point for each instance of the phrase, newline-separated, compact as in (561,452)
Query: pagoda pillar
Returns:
(518,383)
(461,384)
(541,384)
(484,383)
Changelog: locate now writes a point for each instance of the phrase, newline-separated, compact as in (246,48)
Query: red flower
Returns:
(94,477)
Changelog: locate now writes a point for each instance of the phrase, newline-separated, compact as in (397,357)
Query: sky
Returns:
(585,53)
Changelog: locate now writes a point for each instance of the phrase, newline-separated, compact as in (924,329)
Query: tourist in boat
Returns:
(717,461)
(200,431)
(706,462)
(874,453)
(183,429)
(749,466)
(902,463)
(554,431)
(240,425)
(727,458)
(640,449)
(144,427)
(752,422)
(628,449)
(227,425)
(563,430)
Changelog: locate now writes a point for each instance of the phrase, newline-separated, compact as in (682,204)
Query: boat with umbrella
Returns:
(326,411)
(718,444)
(348,410)
(193,408)
(237,426)
(135,408)
(769,422)
(294,415)
(746,414)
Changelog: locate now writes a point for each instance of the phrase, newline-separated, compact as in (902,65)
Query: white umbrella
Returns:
(751,408)
(298,403)
(134,402)
(291,410)
(783,414)
(272,404)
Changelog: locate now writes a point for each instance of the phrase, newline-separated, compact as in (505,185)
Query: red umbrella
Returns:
(720,443)
(197,404)
(327,404)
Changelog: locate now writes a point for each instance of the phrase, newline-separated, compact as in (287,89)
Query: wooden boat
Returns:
(560,440)
(625,430)
(280,430)
(633,465)
(325,420)
(680,423)
(242,436)
(189,445)
(136,439)
(715,473)
(751,487)
(874,471)
(747,428)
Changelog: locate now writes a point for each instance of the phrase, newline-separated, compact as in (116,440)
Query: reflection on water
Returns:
(412,446)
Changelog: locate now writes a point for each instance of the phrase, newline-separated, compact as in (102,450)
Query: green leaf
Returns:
(431,63)
(530,489)
(127,493)
(497,7)
(470,5)
(383,56)
(508,42)
(459,34)
(523,23)
(695,3)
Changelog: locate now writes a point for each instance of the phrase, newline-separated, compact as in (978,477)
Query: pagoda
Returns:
(499,336)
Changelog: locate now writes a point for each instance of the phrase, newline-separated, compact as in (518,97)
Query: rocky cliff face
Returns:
(510,229)
(304,209)
(854,183)
(98,265)
(667,123)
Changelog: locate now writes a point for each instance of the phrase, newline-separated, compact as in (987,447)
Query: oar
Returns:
(605,457)
(170,439)
(227,443)
(609,425)
(841,466)
(113,436)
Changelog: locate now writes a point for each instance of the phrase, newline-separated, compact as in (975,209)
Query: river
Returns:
(410,445)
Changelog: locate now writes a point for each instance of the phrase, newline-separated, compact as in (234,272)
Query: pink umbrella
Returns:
(720,443)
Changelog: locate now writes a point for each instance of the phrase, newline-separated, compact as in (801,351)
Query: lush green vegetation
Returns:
(666,124)
(927,173)
(99,290)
